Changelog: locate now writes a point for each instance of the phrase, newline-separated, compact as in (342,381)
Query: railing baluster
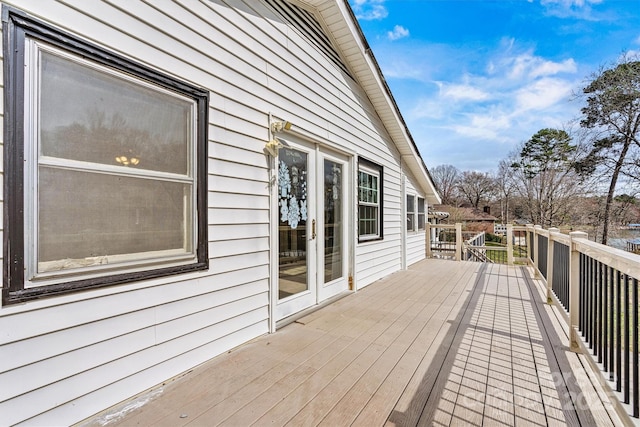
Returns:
(636,324)
(583,298)
(596,312)
(567,262)
(611,322)
(627,349)
(605,311)
(591,302)
(618,332)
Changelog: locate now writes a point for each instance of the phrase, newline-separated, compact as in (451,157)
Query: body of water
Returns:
(619,238)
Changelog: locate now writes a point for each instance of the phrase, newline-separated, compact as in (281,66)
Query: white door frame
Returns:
(329,289)
(332,151)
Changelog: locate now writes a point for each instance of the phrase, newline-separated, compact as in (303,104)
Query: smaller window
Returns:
(369,200)
(411,212)
(421,214)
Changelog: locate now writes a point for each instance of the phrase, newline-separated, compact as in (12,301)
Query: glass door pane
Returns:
(292,201)
(333,221)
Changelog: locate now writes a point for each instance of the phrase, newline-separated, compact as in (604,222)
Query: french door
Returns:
(313,226)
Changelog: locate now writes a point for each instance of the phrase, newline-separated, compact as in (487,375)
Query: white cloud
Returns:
(369,10)
(476,117)
(494,120)
(464,92)
(529,65)
(399,32)
(633,53)
(542,94)
(570,3)
(428,109)
(550,68)
(580,9)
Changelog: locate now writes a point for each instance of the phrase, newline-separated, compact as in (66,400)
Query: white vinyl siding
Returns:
(85,352)
(415,239)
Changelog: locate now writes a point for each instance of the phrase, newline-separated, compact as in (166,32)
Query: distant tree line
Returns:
(587,174)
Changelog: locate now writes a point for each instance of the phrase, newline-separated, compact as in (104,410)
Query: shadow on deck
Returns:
(442,343)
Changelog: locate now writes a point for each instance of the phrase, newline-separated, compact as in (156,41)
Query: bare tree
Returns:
(476,187)
(505,187)
(446,177)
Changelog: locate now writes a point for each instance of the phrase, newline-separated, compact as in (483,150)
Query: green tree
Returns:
(612,112)
(546,180)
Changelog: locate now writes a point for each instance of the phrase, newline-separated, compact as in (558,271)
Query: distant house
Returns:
(473,219)
(500,229)
(182,177)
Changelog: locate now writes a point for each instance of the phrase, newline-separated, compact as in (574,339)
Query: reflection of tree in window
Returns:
(100,140)
(94,116)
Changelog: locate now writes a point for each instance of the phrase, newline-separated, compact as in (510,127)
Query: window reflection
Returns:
(332,221)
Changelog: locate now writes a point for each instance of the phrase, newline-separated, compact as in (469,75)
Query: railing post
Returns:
(458,241)
(428,240)
(510,244)
(534,247)
(574,291)
(550,247)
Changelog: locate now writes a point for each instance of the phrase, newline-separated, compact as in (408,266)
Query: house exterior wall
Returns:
(65,358)
(416,239)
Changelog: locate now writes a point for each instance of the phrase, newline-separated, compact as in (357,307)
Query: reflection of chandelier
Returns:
(125,161)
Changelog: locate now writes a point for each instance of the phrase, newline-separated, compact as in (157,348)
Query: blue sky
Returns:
(474,78)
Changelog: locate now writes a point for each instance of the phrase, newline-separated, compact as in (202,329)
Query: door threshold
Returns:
(299,315)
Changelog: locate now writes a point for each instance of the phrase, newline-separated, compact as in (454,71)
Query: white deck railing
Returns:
(595,285)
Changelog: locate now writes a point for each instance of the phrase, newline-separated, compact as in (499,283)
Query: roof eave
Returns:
(340,19)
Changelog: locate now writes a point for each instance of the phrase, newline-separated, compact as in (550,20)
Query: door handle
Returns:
(313,229)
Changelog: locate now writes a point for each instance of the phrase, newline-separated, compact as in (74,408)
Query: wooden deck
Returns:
(443,343)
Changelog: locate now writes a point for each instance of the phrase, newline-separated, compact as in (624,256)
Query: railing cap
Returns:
(578,235)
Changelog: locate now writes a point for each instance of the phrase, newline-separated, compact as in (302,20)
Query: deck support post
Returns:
(458,241)
(510,244)
(574,291)
(550,248)
(428,240)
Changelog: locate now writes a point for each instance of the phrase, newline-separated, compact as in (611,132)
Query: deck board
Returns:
(442,343)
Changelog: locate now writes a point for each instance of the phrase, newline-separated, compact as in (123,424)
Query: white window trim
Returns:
(413,213)
(423,213)
(92,267)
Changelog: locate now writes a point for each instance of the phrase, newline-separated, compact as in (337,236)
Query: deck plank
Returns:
(443,343)
(382,402)
(325,398)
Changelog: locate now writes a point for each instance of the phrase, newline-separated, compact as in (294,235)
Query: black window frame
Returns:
(17,26)
(368,164)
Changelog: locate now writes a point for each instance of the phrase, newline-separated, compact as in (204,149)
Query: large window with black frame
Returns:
(107,158)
